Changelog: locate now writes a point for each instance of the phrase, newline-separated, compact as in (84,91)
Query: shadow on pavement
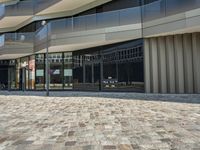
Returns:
(181,98)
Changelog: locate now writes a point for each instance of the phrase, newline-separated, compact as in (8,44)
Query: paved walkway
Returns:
(97,121)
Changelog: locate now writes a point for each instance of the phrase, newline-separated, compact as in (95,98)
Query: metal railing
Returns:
(25,8)
(164,8)
(155,10)
(90,22)
(2,11)
(16,40)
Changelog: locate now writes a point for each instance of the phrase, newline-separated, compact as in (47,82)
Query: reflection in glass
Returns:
(40,72)
(31,68)
(56,71)
(68,78)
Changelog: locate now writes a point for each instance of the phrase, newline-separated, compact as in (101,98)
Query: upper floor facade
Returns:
(74,25)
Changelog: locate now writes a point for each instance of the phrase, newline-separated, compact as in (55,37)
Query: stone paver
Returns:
(97,123)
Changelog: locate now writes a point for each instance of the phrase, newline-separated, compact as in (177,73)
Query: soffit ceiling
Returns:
(68,5)
(10,22)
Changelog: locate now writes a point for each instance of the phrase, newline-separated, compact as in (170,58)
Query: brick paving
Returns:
(98,123)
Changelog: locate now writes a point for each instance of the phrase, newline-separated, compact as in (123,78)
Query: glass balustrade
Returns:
(19,37)
(43,4)
(25,8)
(151,11)
(2,41)
(164,8)
(16,40)
(2,10)
(90,22)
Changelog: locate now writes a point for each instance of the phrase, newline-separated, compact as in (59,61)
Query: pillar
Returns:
(147,66)
(154,65)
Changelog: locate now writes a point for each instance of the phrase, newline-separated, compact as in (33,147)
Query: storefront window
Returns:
(123,68)
(31,68)
(56,71)
(24,73)
(40,72)
(18,74)
(68,73)
(77,71)
(12,75)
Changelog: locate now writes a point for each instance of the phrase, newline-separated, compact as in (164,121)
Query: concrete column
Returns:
(196,61)
(162,64)
(179,63)
(188,63)
(147,66)
(170,64)
(154,65)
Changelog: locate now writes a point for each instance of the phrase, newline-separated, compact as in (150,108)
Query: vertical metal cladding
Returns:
(147,66)
(172,64)
(154,65)
(196,61)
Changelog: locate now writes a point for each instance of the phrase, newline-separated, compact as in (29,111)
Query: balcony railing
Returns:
(42,4)
(164,8)
(25,8)
(16,40)
(2,10)
(90,22)
(131,16)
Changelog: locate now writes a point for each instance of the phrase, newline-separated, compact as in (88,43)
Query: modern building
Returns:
(150,46)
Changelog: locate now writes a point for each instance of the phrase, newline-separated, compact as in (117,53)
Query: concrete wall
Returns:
(172,64)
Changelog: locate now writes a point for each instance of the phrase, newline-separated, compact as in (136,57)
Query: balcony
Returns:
(164,16)
(96,29)
(75,33)
(19,13)
(2,11)
(16,43)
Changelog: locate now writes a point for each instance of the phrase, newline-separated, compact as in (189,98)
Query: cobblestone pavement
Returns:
(97,123)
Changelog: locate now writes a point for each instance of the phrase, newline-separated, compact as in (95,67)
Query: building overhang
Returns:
(63,8)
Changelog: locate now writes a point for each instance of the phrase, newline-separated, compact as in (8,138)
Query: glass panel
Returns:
(2,10)
(130,16)
(123,67)
(24,73)
(86,70)
(77,71)
(68,73)
(91,22)
(22,8)
(17,73)
(178,6)
(79,23)
(56,71)
(61,26)
(31,73)
(154,10)
(2,40)
(108,19)
(40,72)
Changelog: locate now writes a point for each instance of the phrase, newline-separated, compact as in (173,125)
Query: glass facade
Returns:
(117,67)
